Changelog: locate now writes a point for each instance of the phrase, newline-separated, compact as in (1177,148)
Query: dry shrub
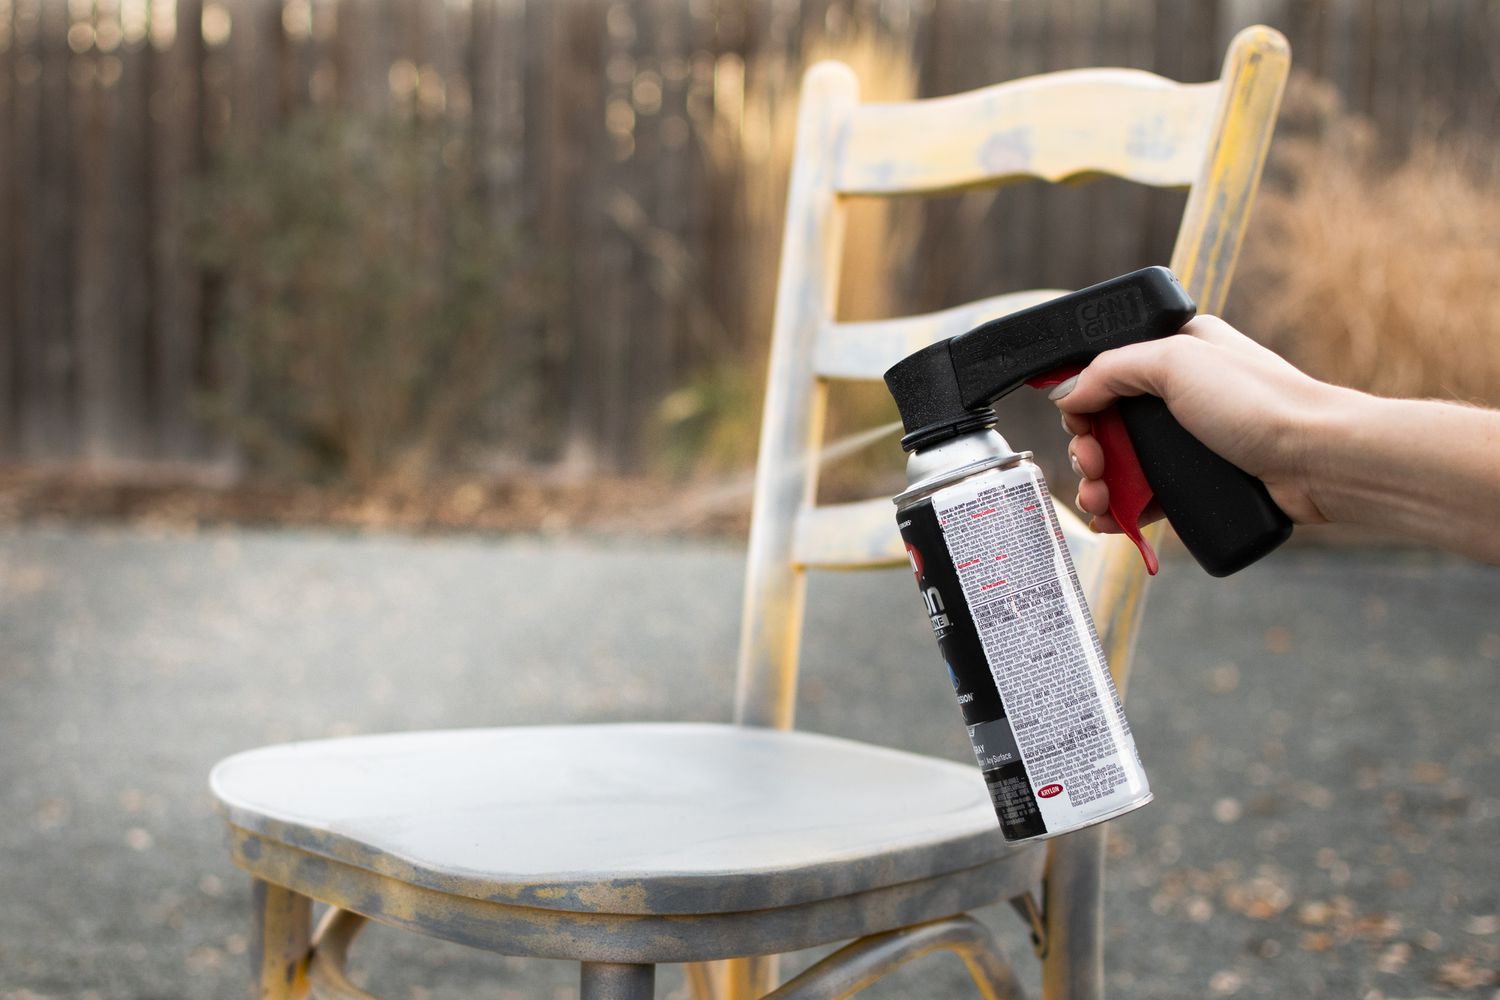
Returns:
(749,142)
(374,324)
(712,424)
(1380,275)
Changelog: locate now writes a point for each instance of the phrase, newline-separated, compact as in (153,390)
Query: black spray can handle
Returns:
(1225,517)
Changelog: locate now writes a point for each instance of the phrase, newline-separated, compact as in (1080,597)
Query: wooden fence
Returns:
(587,119)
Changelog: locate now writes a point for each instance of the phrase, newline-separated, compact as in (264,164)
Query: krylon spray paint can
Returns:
(994,571)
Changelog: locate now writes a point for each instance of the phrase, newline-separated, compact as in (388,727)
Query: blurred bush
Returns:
(711,425)
(1375,271)
(373,319)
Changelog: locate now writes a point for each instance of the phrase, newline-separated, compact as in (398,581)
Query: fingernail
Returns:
(1063,388)
(1073,461)
(1094,527)
(1078,502)
(1063,419)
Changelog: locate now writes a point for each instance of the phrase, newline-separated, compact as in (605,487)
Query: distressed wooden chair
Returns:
(698,843)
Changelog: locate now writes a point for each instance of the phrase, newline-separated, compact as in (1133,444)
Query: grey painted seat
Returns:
(641,819)
(626,846)
(621,846)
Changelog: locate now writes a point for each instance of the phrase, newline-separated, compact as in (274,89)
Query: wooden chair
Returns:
(626,846)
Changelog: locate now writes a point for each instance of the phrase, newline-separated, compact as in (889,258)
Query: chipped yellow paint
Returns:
(512,929)
(1117,598)
(283,936)
(748,978)
(328,969)
(550,892)
(626,897)
(1055,126)
(1218,208)
(702,979)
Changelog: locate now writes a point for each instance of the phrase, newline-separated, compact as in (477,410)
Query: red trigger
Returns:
(1129,493)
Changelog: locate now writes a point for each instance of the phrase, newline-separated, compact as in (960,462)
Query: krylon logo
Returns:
(935,609)
(1047,791)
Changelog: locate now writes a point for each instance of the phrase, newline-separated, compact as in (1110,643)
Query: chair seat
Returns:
(621,819)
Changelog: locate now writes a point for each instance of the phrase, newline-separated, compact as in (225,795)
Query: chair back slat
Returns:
(859,535)
(865,350)
(1211,136)
(1056,126)
(863,535)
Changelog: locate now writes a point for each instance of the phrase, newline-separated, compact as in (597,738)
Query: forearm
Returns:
(1427,469)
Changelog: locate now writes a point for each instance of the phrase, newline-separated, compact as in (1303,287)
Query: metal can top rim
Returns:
(931,484)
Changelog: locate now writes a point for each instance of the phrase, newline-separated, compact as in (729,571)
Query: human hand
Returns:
(1241,400)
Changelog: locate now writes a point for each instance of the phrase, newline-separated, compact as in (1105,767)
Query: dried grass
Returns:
(1378,275)
(749,143)
(711,425)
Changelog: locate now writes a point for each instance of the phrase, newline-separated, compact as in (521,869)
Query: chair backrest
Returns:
(1210,137)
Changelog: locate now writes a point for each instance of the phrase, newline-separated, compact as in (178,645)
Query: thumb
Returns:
(1135,370)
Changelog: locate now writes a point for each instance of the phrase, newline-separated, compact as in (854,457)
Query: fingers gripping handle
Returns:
(1129,493)
(1224,516)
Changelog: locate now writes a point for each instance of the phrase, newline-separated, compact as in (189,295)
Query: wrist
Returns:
(1337,443)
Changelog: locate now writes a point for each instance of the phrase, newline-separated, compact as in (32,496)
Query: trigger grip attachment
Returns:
(1129,493)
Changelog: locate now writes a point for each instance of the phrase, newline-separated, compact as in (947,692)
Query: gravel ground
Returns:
(1319,731)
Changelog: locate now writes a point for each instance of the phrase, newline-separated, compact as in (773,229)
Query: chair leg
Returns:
(328,971)
(733,978)
(283,936)
(1073,911)
(616,981)
(749,978)
(703,980)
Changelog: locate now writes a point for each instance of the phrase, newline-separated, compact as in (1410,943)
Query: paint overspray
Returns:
(740,488)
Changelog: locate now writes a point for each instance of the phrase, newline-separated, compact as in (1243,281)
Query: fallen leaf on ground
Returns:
(1225,982)
(1318,941)
(1261,898)
(1481,925)
(1278,640)
(1464,973)
(1393,958)
(1378,926)
(1429,772)
(1315,914)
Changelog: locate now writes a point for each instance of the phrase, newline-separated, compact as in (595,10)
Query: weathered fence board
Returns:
(585,119)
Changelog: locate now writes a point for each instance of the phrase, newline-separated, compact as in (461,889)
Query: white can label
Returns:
(1017,577)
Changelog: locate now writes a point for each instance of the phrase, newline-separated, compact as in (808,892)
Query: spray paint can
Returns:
(991,561)
(1043,715)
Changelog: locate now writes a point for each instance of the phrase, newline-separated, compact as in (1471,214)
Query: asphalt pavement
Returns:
(1320,732)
